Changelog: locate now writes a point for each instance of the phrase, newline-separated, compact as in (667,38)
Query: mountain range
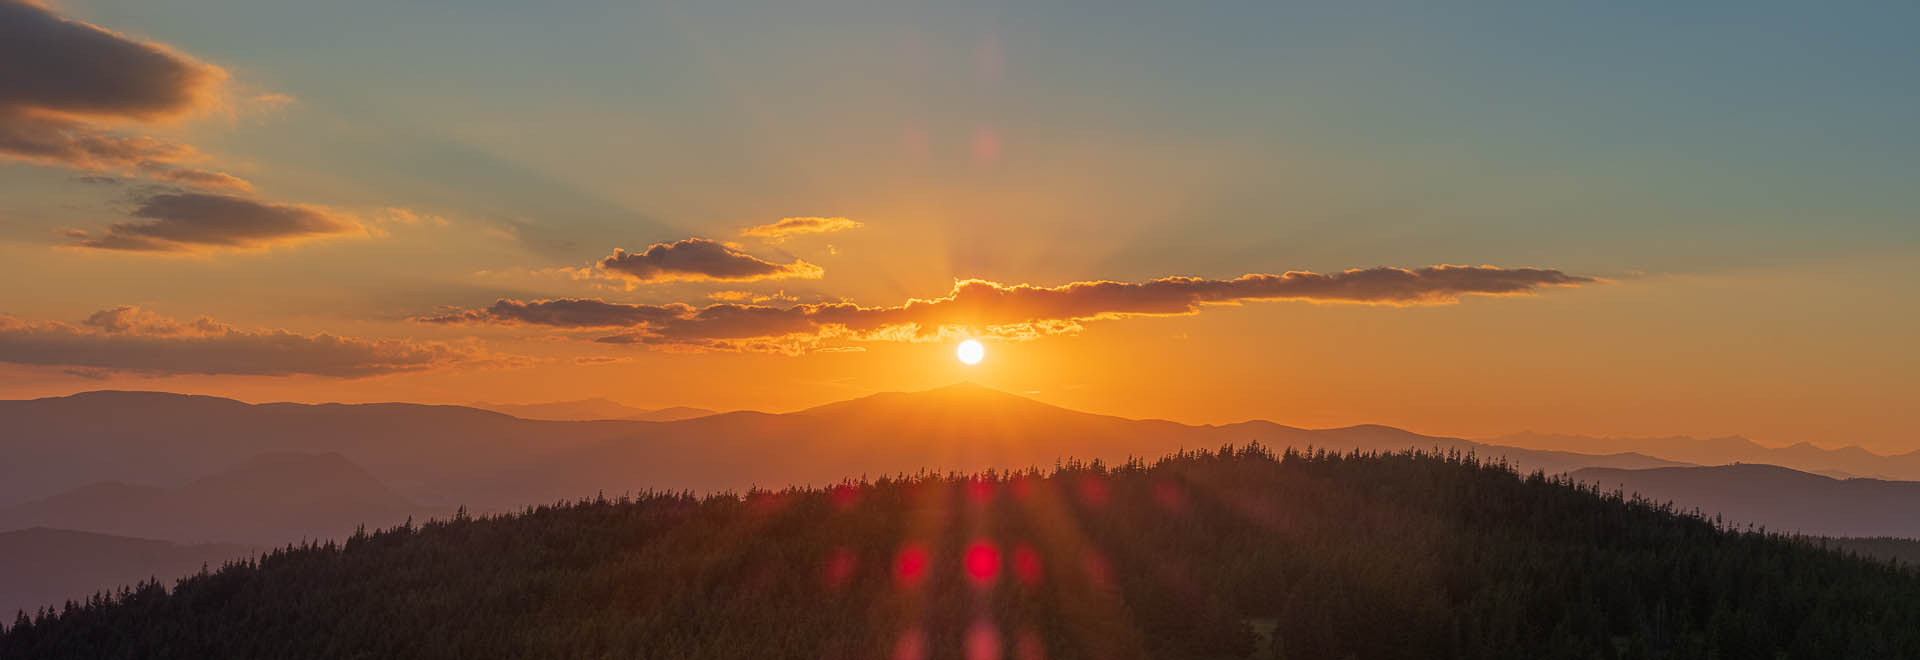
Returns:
(583,410)
(266,500)
(225,475)
(452,455)
(1775,497)
(41,567)
(1843,462)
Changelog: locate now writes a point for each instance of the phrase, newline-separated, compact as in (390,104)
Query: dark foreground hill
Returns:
(1234,555)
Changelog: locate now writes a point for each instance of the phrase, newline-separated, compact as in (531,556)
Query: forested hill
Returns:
(1231,555)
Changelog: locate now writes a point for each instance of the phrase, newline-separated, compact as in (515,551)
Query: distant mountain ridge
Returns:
(1781,499)
(1843,462)
(266,500)
(962,427)
(597,408)
(453,455)
(162,439)
(45,567)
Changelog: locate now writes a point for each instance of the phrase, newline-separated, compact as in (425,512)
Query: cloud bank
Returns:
(127,339)
(189,221)
(779,231)
(699,259)
(983,308)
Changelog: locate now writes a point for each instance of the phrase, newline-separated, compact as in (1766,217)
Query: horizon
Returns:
(1492,439)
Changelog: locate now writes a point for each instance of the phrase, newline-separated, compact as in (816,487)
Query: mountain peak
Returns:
(963,394)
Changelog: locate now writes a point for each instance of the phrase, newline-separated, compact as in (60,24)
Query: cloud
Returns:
(188,221)
(990,309)
(779,231)
(59,76)
(59,66)
(130,340)
(699,259)
(196,178)
(564,313)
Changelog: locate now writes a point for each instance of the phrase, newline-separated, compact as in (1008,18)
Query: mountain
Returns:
(46,567)
(1844,462)
(269,499)
(960,427)
(447,456)
(1236,554)
(1778,498)
(593,409)
(161,439)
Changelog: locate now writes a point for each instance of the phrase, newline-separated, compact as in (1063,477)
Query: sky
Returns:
(1627,218)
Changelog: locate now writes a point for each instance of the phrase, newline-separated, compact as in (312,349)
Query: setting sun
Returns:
(971,351)
(624,339)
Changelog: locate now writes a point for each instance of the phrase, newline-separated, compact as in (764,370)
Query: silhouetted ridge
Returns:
(1239,554)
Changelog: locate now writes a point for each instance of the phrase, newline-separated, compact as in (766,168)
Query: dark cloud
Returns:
(57,76)
(56,65)
(52,140)
(187,221)
(127,339)
(699,259)
(564,313)
(779,231)
(982,308)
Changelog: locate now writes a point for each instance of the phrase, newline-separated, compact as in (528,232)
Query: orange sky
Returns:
(778,232)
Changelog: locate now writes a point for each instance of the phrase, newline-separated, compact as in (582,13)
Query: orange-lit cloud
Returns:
(189,221)
(59,76)
(698,259)
(127,339)
(779,231)
(982,308)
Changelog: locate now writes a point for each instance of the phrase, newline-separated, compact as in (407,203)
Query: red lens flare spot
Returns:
(982,562)
(983,641)
(1093,491)
(1027,565)
(986,145)
(844,496)
(910,567)
(1029,647)
(1099,571)
(912,645)
(1021,487)
(980,491)
(840,567)
(1170,496)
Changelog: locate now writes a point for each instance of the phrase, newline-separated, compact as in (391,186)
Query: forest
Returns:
(1235,553)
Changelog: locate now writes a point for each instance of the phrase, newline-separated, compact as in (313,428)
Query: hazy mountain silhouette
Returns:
(166,440)
(593,409)
(452,455)
(1781,499)
(1844,462)
(43,566)
(270,499)
(961,427)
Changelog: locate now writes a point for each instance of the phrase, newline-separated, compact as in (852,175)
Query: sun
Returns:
(971,352)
